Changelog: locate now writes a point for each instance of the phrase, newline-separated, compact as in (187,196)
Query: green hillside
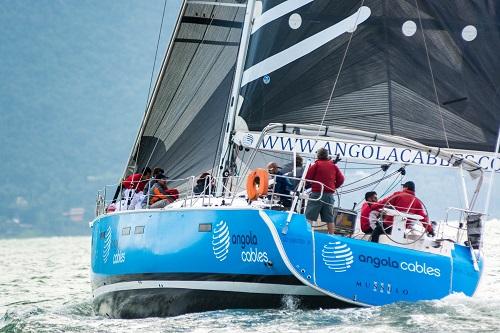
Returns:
(75,79)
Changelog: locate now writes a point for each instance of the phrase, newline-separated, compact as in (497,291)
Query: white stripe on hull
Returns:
(274,232)
(242,287)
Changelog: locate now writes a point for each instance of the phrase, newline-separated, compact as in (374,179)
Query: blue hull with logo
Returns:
(169,262)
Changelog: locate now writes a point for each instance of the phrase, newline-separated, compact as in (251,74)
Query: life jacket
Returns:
(170,195)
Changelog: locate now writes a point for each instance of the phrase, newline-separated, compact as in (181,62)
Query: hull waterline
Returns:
(170,262)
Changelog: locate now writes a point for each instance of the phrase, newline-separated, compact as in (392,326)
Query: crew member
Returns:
(160,195)
(368,216)
(404,201)
(137,181)
(299,170)
(281,185)
(325,171)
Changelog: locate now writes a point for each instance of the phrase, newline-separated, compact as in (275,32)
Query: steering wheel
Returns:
(414,227)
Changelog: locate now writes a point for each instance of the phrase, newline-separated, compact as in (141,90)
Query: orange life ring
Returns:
(254,191)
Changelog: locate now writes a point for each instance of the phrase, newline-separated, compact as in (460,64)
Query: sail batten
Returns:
(190,104)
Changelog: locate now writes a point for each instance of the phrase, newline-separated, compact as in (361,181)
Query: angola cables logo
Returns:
(247,140)
(337,256)
(107,245)
(220,241)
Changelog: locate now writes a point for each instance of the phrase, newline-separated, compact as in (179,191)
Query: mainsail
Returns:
(421,69)
(182,127)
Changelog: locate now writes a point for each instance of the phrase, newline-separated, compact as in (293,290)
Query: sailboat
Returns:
(387,85)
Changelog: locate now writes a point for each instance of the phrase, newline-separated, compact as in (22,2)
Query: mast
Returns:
(226,153)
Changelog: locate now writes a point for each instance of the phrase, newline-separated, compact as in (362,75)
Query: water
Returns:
(45,287)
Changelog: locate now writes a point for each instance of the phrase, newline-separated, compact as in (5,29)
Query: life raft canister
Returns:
(260,176)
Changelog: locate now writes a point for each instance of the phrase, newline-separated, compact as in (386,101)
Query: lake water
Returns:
(45,287)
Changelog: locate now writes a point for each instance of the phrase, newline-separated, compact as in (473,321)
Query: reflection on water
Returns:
(45,287)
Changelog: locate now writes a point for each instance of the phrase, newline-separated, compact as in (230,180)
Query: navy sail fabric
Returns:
(182,130)
(439,85)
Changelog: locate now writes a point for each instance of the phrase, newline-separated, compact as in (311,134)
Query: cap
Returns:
(410,185)
(161,176)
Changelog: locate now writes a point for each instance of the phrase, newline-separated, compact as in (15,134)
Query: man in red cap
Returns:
(404,201)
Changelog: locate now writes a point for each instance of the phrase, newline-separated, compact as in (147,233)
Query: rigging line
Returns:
(209,70)
(152,74)
(361,179)
(432,74)
(375,186)
(212,16)
(377,164)
(221,135)
(277,157)
(242,159)
(177,89)
(353,190)
(228,106)
(392,186)
(223,125)
(375,181)
(157,46)
(340,69)
(367,184)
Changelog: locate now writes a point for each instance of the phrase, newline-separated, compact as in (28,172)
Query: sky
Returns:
(74,81)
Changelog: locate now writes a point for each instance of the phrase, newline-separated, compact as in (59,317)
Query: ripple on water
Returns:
(62,303)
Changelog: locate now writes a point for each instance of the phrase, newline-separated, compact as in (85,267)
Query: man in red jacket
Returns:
(327,173)
(404,201)
(367,218)
(137,181)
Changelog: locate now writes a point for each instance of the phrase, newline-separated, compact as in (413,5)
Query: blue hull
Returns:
(169,262)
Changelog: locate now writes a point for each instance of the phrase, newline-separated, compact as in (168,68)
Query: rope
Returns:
(340,70)
(182,79)
(212,16)
(368,184)
(432,75)
(393,185)
(359,180)
(152,73)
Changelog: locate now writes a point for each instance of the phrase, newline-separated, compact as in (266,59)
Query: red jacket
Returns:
(404,201)
(365,217)
(135,182)
(326,172)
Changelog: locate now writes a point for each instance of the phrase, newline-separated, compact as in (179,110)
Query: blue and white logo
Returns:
(220,241)
(266,79)
(337,256)
(107,245)
(247,140)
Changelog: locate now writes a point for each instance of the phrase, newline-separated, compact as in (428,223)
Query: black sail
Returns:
(422,69)
(182,129)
